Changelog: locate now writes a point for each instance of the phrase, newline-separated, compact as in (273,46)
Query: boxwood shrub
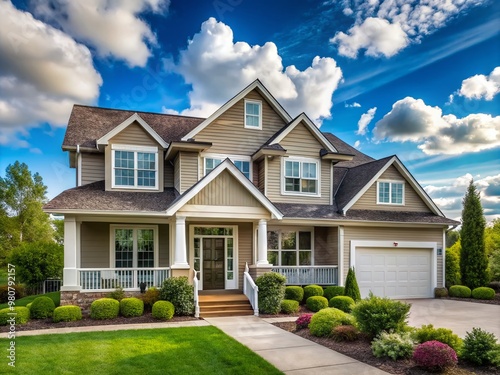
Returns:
(131,306)
(22,315)
(333,291)
(289,306)
(440,292)
(323,322)
(271,292)
(460,291)
(163,310)
(483,293)
(312,290)
(295,293)
(67,313)
(29,305)
(343,303)
(42,307)
(104,308)
(444,335)
(316,303)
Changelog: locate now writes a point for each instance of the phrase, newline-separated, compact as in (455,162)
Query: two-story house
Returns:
(162,195)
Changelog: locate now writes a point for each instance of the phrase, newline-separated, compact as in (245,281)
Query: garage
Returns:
(395,272)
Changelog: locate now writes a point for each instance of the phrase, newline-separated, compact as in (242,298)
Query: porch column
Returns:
(71,247)
(180,250)
(262,244)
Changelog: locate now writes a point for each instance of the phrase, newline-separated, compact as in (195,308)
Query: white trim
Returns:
(252,101)
(135,227)
(312,127)
(104,140)
(390,182)
(340,260)
(301,160)
(330,192)
(254,85)
(443,251)
(135,150)
(222,157)
(230,167)
(79,168)
(266,168)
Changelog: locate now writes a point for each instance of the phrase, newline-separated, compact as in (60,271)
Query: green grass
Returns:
(56,297)
(189,350)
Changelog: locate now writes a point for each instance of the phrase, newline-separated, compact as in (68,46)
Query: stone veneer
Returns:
(85,299)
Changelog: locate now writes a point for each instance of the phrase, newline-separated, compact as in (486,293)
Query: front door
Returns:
(213,263)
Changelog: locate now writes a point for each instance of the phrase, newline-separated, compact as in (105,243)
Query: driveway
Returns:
(458,316)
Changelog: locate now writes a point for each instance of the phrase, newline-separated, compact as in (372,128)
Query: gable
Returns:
(301,142)
(134,134)
(228,134)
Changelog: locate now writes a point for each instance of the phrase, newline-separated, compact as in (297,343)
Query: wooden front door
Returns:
(213,263)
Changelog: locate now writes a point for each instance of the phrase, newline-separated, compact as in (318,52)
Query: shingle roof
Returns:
(344,148)
(87,124)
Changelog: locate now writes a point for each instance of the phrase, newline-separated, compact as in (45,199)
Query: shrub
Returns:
(495,285)
(289,306)
(163,310)
(459,291)
(22,315)
(345,333)
(150,297)
(16,292)
(130,307)
(29,305)
(42,307)
(483,293)
(343,303)
(351,285)
(178,291)
(376,314)
(117,294)
(295,293)
(316,303)
(477,345)
(67,313)
(311,291)
(303,321)
(434,356)
(452,265)
(324,321)
(271,292)
(393,345)
(494,356)
(443,335)
(440,292)
(333,291)
(104,308)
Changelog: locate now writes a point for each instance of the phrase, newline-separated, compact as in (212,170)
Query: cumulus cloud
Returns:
(353,105)
(385,27)
(481,86)
(357,145)
(412,120)
(42,73)
(213,64)
(365,120)
(113,27)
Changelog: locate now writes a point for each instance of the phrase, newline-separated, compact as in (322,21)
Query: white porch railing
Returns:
(305,275)
(251,290)
(196,298)
(98,279)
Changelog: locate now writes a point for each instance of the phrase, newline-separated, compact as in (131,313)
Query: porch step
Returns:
(215,305)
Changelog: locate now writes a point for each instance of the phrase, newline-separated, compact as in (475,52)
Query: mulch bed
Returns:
(494,301)
(361,350)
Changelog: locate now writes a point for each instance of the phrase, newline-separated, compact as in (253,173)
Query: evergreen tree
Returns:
(473,260)
(351,286)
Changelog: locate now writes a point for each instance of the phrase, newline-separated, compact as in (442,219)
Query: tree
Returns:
(452,236)
(58,225)
(351,285)
(473,260)
(452,264)
(492,244)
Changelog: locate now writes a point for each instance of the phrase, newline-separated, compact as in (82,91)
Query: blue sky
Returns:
(420,80)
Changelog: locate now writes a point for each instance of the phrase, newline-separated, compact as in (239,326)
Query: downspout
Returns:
(79,166)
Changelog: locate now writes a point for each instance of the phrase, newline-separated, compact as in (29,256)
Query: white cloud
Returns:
(42,73)
(481,86)
(357,145)
(113,27)
(412,120)
(353,105)
(215,66)
(365,120)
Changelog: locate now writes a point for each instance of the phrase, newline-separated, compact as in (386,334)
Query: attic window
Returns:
(253,114)
(389,192)
(135,167)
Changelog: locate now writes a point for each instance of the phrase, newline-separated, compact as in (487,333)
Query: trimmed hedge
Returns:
(460,291)
(289,306)
(483,293)
(130,307)
(163,310)
(29,305)
(271,292)
(104,308)
(316,303)
(324,321)
(312,290)
(343,303)
(295,293)
(67,313)
(22,315)
(42,307)
(333,291)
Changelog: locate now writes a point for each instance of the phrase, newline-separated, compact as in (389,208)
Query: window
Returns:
(290,247)
(390,192)
(135,167)
(242,165)
(134,247)
(301,177)
(253,114)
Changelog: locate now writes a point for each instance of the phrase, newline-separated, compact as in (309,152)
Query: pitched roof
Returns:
(344,148)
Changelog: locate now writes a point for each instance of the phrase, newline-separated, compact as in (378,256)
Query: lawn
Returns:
(189,350)
(56,296)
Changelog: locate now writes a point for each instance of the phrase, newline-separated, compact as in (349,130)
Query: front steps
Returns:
(224,304)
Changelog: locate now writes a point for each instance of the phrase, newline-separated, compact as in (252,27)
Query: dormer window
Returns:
(253,114)
(300,177)
(389,192)
(135,167)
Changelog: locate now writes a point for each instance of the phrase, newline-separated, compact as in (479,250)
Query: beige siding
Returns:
(262,176)
(326,246)
(301,142)
(134,134)
(245,246)
(396,235)
(177,173)
(168,174)
(92,168)
(255,174)
(94,248)
(225,190)
(163,255)
(189,170)
(228,134)
(413,202)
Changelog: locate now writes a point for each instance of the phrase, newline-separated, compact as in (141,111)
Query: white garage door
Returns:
(394,273)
